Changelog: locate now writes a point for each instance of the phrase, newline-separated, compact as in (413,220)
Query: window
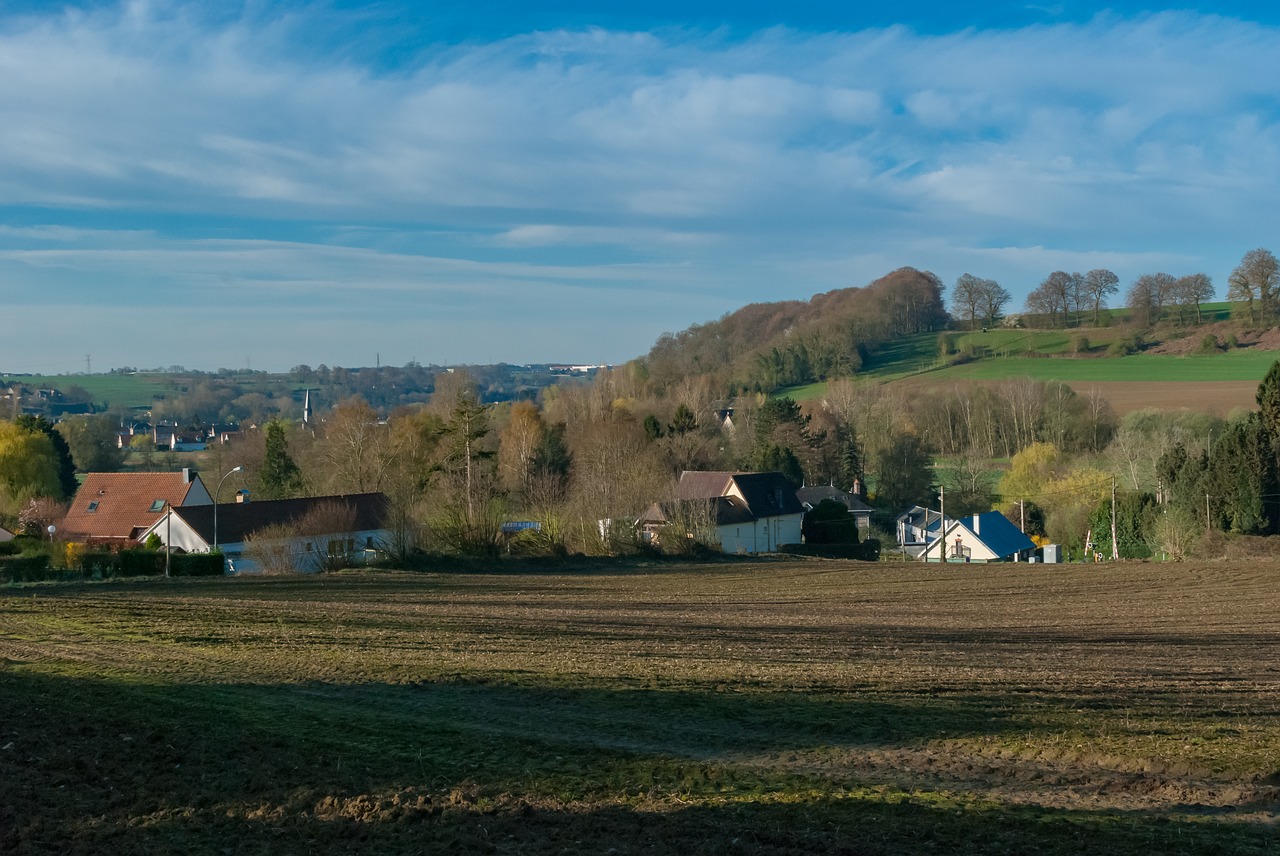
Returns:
(93,506)
(157,505)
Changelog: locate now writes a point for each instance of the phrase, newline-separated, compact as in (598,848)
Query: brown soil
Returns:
(1263,340)
(773,704)
(1219,398)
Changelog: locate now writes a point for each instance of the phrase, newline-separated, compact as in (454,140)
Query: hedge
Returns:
(867,551)
(103,563)
(24,569)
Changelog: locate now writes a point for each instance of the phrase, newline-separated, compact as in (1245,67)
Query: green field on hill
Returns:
(1240,365)
(1051,355)
(124,390)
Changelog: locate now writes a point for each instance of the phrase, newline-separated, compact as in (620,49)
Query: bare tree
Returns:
(1194,290)
(1062,290)
(994,298)
(1148,295)
(519,442)
(966,298)
(329,529)
(275,549)
(1099,284)
(1254,282)
(356,449)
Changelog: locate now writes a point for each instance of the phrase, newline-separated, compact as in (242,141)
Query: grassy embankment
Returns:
(749,708)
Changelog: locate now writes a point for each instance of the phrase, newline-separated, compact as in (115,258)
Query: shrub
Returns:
(946,344)
(1208,344)
(9,548)
(1231,342)
(274,549)
(197,565)
(829,522)
(25,569)
(1080,345)
(867,551)
(139,563)
(1130,344)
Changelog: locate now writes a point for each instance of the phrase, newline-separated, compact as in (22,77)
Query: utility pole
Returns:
(168,535)
(1022,515)
(1115,546)
(942,524)
(1207,524)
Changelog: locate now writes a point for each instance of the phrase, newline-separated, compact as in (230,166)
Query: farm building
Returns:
(318,528)
(751,512)
(989,537)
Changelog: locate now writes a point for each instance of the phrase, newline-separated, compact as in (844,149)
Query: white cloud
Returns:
(709,170)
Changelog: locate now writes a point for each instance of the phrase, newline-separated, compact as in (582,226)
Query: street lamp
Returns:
(215,505)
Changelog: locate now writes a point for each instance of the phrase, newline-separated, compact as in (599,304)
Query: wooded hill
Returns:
(764,346)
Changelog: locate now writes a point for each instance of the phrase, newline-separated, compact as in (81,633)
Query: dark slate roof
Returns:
(766,494)
(237,521)
(812,495)
(728,510)
(998,533)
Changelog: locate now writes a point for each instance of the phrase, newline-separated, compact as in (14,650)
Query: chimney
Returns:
(186,475)
(977,526)
(242,497)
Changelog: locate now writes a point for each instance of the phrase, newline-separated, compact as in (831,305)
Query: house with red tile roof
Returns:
(116,508)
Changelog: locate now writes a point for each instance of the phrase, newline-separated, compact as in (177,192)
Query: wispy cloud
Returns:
(673,166)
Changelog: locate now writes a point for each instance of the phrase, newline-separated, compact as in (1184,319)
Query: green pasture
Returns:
(131,391)
(1237,365)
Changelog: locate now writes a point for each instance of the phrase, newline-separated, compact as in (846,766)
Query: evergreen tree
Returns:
(852,464)
(279,477)
(829,522)
(782,459)
(683,421)
(1269,400)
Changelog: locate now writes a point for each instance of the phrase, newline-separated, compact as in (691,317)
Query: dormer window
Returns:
(157,505)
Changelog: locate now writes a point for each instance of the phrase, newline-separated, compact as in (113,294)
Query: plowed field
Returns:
(764,707)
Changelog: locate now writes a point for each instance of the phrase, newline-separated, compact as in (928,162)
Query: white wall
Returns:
(762,536)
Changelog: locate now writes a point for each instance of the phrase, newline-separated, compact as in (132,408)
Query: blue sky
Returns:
(281,183)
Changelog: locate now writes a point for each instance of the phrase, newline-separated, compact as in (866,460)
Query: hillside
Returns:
(764,346)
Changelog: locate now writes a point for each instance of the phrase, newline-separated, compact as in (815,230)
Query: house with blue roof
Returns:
(989,537)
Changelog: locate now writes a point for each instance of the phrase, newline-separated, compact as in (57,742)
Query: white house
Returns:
(358,533)
(752,512)
(918,526)
(5,535)
(989,537)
